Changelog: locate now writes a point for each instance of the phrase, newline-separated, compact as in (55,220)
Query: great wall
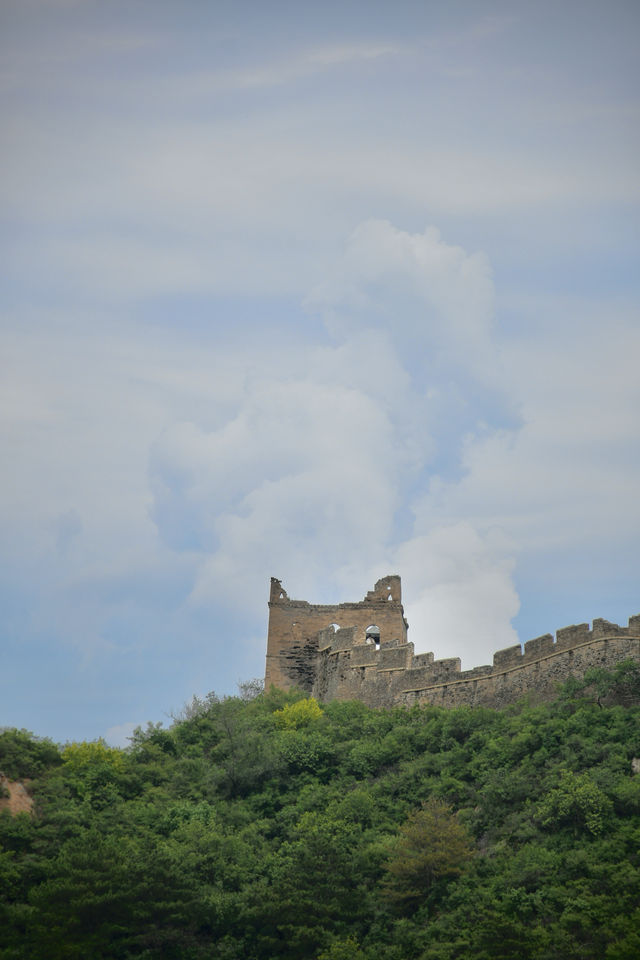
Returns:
(360,651)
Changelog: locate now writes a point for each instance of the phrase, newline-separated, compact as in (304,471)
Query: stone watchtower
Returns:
(295,625)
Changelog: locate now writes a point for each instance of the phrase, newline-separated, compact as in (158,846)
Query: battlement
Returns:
(360,651)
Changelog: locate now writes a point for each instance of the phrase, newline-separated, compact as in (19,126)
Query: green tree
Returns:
(24,755)
(296,715)
(431,844)
(94,770)
(577,801)
(347,949)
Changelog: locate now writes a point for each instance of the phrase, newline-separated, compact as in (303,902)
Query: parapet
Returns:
(572,636)
(509,657)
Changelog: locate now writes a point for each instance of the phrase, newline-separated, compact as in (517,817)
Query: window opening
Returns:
(372,635)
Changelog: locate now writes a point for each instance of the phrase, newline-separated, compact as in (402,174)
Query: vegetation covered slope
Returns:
(275,828)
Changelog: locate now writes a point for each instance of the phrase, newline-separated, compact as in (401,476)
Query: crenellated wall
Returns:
(326,651)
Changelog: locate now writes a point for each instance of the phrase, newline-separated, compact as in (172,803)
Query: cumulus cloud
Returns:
(460,593)
(309,476)
(456,285)
(326,463)
(304,477)
(566,478)
(435,296)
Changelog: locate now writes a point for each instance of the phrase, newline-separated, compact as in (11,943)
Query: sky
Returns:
(315,291)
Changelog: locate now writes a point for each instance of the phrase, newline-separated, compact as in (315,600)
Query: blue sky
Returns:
(320,291)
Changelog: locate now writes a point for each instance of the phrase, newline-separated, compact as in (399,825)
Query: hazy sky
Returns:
(322,291)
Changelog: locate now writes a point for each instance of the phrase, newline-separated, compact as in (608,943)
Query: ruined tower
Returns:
(294,627)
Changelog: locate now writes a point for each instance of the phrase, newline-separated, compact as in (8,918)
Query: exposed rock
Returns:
(18,800)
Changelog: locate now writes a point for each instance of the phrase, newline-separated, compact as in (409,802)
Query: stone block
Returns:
(422,659)
(393,657)
(416,677)
(509,657)
(448,669)
(540,647)
(344,639)
(603,628)
(483,671)
(571,636)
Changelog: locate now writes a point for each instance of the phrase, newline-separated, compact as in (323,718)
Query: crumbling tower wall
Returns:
(294,626)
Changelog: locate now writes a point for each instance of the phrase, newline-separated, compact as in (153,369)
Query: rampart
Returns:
(360,651)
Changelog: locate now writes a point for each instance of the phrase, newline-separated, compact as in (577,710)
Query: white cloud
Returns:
(323,464)
(308,473)
(460,597)
(303,478)
(433,294)
(567,478)
(306,479)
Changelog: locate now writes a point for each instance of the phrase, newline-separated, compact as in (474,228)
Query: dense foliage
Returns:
(269,827)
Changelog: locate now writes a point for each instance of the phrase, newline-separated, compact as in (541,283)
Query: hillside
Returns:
(271,827)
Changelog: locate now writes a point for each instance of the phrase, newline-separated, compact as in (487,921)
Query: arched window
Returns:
(372,635)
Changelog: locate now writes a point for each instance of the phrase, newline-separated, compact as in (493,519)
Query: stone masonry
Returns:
(360,651)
